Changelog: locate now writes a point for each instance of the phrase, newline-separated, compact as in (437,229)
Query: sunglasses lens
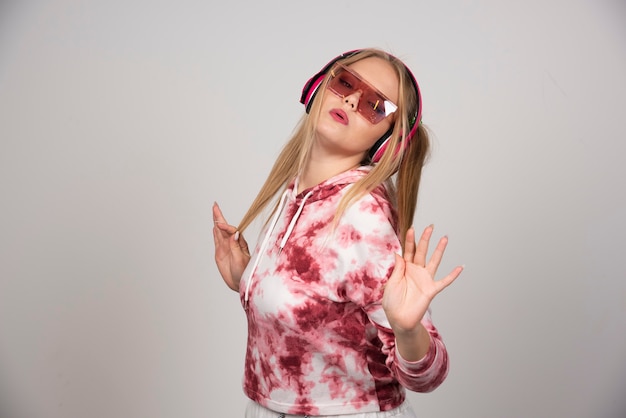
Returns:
(344,83)
(372,105)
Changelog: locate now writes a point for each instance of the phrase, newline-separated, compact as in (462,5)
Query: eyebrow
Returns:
(363,79)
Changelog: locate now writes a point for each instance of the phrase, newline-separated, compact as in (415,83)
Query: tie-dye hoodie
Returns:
(319,342)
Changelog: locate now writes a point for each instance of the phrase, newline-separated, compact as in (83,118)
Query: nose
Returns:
(353,99)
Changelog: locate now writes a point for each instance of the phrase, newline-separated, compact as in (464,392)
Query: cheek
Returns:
(329,100)
(372,133)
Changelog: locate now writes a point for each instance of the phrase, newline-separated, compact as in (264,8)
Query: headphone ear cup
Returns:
(379,147)
(310,90)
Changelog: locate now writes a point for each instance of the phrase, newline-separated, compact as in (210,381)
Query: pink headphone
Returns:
(378,149)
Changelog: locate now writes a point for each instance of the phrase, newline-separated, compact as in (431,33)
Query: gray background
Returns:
(122,121)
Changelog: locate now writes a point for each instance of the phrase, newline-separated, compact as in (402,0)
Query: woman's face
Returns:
(342,132)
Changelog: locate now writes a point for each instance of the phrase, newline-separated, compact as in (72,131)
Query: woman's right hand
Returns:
(231,250)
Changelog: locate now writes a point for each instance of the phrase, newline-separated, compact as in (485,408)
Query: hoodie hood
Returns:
(322,191)
(329,187)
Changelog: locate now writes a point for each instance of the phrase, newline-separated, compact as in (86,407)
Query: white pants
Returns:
(254,410)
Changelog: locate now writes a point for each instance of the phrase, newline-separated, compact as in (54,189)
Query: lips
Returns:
(339,115)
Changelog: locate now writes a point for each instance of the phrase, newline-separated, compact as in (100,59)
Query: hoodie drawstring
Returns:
(279,209)
(268,234)
(292,224)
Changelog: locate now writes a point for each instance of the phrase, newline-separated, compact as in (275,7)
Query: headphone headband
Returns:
(311,87)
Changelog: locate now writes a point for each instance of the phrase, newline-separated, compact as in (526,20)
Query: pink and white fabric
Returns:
(319,342)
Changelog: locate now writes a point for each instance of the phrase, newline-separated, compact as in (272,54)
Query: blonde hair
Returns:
(400,172)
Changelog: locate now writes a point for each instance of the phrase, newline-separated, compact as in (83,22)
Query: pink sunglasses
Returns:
(373,105)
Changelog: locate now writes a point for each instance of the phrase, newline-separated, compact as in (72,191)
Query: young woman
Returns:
(338,321)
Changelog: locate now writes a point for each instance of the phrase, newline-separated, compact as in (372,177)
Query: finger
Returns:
(435,259)
(237,242)
(220,222)
(243,244)
(239,251)
(398,269)
(218,216)
(450,278)
(238,247)
(409,245)
(218,236)
(222,240)
(422,246)
(221,247)
(228,229)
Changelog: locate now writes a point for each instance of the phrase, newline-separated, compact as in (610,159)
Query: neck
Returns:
(317,171)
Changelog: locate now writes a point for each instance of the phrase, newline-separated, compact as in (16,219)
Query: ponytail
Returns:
(408,179)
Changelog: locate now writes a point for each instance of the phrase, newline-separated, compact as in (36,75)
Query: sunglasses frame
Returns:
(366,111)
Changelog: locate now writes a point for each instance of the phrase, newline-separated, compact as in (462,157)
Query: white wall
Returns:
(122,121)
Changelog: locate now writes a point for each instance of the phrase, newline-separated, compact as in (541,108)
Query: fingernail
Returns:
(236,235)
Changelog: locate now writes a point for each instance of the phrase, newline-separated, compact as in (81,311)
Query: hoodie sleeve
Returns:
(369,228)
(424,375)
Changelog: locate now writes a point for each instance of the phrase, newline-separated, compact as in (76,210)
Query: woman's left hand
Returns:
(412,285)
